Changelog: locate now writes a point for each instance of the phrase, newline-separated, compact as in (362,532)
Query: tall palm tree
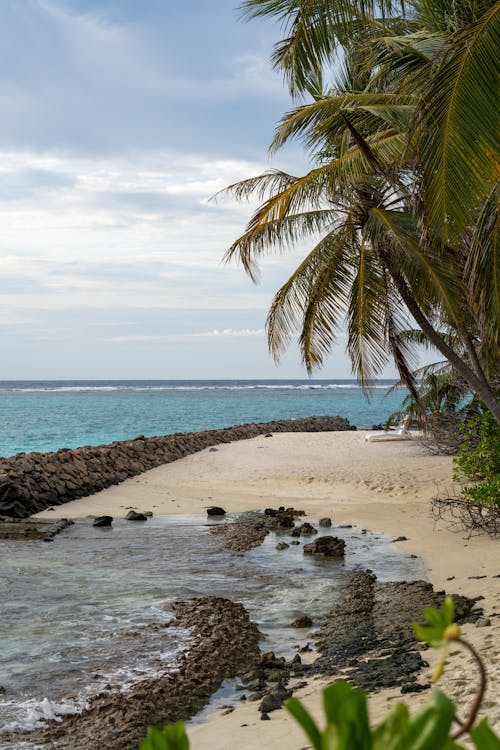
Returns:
(379,203)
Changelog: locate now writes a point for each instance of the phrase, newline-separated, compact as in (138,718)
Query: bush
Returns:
(479,459)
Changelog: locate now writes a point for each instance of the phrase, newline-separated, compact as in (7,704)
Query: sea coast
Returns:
(384,486)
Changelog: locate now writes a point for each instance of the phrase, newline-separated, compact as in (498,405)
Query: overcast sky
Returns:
(118,120)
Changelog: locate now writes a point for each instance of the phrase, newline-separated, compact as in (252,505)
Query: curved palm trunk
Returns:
(476,381)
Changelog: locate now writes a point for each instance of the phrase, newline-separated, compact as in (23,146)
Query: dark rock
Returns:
(483,622)
(326,546)
(281,546)
(102,521)
(325,522)
(213,450)
(400,539)
(268,434)
(265,717)
(133,515)
(304,621)
(274,699)
(215,510)
(307,529)
(414,687)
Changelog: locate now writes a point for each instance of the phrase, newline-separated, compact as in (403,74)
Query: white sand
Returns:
(383,486)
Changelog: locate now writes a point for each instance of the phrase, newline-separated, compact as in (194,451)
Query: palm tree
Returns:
(392,233)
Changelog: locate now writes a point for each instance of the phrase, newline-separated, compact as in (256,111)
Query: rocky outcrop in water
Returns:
(225,644)
(14,528)
(31,482)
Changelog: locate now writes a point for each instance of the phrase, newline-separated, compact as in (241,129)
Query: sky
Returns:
(118,121)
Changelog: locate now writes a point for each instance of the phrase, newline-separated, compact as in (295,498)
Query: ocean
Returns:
(48,415)
(69,607)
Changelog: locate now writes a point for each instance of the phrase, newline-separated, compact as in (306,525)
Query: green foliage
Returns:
(479,456)
(438,623)
(479,459)
(172,737)
(346,711)
(348,728)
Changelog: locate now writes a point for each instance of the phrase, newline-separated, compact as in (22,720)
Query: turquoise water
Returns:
(48,415)
(97,587)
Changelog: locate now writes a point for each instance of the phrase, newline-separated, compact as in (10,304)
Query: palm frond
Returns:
(315,297)
(458,127)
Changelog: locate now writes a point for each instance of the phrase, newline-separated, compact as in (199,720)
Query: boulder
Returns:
(325,523)
(133,515)
(102,521)
(307,529)
(304,621)
(215,510)
(325,546)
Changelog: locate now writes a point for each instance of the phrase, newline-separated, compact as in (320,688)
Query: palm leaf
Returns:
(317,295)
(458,127)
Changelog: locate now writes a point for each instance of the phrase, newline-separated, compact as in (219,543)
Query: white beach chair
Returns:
(393,433)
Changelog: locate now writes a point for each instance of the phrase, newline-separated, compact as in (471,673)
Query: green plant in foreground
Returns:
(346,707)
(346,710)
(172,737)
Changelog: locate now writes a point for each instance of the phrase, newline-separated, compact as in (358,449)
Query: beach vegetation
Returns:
(171,737)
(478,459)
(396,107)
(435,727)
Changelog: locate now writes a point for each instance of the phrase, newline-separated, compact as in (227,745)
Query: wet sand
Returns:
(384,486)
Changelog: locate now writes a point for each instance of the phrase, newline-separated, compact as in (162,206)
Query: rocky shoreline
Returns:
(366,638)
(32,482)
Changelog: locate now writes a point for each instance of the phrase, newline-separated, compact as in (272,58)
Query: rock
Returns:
(101,521)
(3,690)
(148,513)
(307,529)
(294,542)
(264,717)
(304,621)
(213,450)
(268,434)
(133,515)
(325,522)
(281,546)
(325,546)
(414,687)
(215,510)
(274,699)
(483,622)
(400,539)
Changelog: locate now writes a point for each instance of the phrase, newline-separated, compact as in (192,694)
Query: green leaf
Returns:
(483,737)
(346,709)
(438,620)
(430,728)
(172,737)
(306,721)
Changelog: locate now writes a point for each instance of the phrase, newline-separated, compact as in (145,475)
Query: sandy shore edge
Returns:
(384,486)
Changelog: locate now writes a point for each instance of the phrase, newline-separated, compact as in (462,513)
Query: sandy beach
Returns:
(383,486)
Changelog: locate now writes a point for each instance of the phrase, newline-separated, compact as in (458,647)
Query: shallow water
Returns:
(69,609)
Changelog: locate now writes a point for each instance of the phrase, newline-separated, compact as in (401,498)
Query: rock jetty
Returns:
(31,482)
